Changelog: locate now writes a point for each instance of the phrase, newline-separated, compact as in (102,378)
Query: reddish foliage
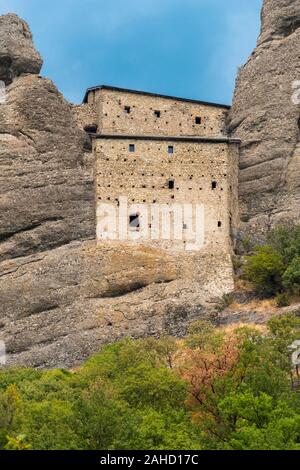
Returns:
(201,368)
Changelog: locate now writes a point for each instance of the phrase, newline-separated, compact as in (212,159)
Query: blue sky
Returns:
(188,48)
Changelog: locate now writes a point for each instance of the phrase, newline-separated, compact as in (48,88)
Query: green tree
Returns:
(265,270)
(48,425)
(217,389)
(134,400)
(10,404)
(252,405)
(291,277)
(258,422)
(286,241)
(169,429)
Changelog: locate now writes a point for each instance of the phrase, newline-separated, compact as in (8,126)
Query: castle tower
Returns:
(169,156)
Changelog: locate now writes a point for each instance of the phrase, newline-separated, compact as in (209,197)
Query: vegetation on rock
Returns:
(274,268)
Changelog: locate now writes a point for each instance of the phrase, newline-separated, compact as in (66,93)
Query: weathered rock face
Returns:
(46,179)
(17,52)
(280,18)
(59,306)
(61,294)
(265,117)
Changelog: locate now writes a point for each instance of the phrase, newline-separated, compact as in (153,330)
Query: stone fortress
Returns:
(64,290)
(161,150)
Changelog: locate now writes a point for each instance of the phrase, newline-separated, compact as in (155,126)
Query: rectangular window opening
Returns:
(170,149)
(198,120)
(134,222)
(171,184)
(131,148)
(127,109)
(157,114)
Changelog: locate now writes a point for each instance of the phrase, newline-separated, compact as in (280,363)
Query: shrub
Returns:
(265,270)
(282,299)
(291,277)
(286,241)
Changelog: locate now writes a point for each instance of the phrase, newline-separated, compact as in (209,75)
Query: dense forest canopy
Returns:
(217,389)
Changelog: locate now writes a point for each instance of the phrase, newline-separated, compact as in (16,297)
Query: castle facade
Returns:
(170,156)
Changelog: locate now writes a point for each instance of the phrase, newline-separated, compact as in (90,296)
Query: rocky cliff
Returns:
(265,116)
(62,295)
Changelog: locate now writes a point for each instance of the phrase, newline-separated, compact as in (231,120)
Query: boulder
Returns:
(17,52)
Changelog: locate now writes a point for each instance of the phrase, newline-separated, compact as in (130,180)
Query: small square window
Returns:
(214,185)
(131,148)
(171,184)
(219,224)
(157,114)
(185,227)
(198,120)
(127,109)
(134,221)
(171,149)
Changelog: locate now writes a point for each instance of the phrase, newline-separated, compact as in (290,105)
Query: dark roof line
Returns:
(157,95)
(216,140)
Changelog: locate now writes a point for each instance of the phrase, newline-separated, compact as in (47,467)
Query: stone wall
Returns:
(200,172)
(135,114)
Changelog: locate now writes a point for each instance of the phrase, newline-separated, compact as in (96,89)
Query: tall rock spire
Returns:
(279,18)
(17,52)
(265,116)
